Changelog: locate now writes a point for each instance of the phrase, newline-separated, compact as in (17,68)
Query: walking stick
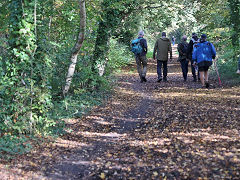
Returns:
(219,80)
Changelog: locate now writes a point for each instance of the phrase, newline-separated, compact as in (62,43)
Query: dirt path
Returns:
(172,130)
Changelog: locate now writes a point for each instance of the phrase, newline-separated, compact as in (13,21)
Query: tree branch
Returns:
(77,47)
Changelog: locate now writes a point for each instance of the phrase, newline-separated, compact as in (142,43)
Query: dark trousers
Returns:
(239,63)
(194,71)
(141,65)
(184,66)
(159,69)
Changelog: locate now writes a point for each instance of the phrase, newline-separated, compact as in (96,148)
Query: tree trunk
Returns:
(76,48)
(101,48)
(112,18)
(235,20)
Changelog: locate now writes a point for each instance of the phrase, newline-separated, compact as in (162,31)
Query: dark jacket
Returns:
(143,43)
(239,63)
(162,47)
(193,42)
(182,50)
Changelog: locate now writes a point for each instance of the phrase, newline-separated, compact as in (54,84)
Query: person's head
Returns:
(164,34)
(203,37)
(194,36)
(184,38)
(141,33)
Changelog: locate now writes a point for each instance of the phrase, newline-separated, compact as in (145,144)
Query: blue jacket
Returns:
(204,51)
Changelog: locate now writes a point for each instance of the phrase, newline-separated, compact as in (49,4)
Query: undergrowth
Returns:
(227,65)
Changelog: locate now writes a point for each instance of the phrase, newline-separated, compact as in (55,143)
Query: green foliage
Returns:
(84,78)
(220,21)
(178,34)
(34,57)
(119,56)
(149,54)
(30,90)
(25,97)
(13,145)
(78,104)
(228,66)
(3,15)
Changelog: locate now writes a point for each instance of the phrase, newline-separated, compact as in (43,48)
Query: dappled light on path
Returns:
(167,130)
(161,130)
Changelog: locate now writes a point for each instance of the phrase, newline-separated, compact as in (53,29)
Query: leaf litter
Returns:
(172,130)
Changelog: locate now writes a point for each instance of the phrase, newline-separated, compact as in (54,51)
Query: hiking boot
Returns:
(164,79)
(185,78)
(207,84)
(144,79)
(159,80)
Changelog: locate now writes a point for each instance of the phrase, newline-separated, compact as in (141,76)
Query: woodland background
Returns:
(58,57)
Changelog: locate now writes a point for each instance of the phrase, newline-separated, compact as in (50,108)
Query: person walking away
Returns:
(182,50)
(162,48)
(203,55)
(139,47)
(238,71)
(192,43)
(173,40)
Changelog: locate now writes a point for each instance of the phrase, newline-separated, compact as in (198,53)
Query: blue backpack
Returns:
(136,46)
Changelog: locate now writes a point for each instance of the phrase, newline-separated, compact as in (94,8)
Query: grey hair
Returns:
(184,38)
(141,33)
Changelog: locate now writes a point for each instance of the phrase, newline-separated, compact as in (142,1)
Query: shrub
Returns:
(227,65)
(119,55)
